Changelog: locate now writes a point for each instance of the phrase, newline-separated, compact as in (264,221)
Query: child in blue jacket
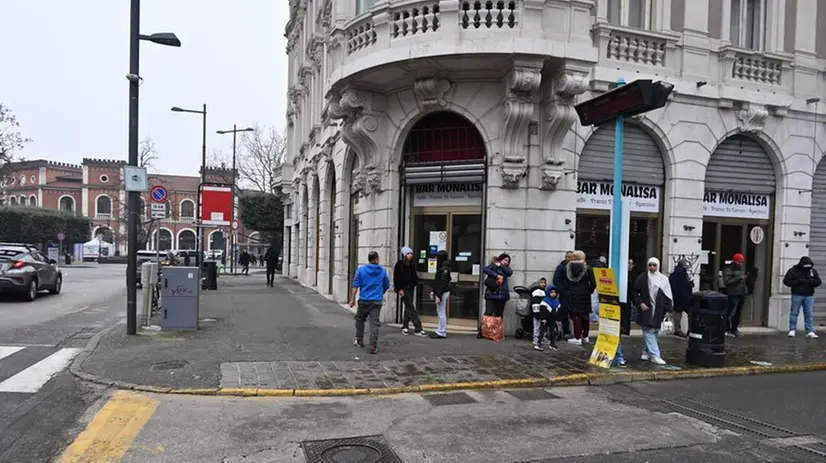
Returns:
(545,306)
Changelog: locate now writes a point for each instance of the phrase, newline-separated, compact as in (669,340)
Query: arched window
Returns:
(104,207)
(165,240)
(186,239)
(67,204)
(22,200)
(187,209)
(13,201)
(32,200)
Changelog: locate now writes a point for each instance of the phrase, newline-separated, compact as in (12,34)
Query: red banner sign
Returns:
(216,209)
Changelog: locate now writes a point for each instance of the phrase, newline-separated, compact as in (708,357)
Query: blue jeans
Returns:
(618,357)
(652,347)
(441,307)
(798,301)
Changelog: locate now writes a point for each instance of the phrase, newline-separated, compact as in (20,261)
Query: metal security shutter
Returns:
(642,159)
(473,172)
(740,164)
(817,243)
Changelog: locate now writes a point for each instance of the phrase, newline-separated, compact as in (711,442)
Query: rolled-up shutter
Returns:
(817,234)
(740,164)
(642,158)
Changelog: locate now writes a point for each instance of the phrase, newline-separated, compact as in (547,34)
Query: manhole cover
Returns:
(365,449)
(450,398)
(169,365)
(532,394)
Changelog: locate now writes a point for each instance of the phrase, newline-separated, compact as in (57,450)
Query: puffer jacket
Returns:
(503,293)
(802,278)
(578,284)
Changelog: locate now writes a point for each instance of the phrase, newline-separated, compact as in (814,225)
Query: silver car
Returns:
(26,271)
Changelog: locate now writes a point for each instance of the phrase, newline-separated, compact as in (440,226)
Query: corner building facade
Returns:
(450,125)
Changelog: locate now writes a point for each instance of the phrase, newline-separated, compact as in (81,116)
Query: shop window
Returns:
(630,13)
(593,237)
(748,18)
(443,137)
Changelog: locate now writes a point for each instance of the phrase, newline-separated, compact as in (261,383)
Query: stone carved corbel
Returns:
(373,183)
(559,112)
(522,85)
(550,179)
(359,184)
(430,92)
(751,119)
(360,124)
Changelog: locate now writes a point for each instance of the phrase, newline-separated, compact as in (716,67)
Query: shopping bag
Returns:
(493,328)
(667,326)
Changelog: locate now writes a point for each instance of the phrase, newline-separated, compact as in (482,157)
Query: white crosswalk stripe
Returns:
(27,369)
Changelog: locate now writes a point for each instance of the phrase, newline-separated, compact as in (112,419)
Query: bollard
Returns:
(707,330)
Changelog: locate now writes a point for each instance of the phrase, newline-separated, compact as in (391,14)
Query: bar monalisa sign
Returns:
(736,204)
(600,195)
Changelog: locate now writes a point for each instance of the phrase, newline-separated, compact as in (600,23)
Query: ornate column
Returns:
(521,89)
(312,226)
(559,115)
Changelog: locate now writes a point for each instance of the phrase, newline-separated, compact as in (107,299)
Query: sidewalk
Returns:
(288,340)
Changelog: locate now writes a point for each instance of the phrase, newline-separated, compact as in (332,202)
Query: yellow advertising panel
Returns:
(609,319)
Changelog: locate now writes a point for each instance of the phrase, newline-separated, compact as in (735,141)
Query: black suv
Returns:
(26,271)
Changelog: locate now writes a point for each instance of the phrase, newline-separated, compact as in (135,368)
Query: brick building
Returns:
(94,189)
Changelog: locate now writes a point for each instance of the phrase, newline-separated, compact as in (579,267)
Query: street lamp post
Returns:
(234,133)
(133,202)
(200,246)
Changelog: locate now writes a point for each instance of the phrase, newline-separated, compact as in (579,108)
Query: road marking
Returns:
(5,351)
(113,429)
(33,378)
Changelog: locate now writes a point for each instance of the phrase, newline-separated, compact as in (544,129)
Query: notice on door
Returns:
(438,239)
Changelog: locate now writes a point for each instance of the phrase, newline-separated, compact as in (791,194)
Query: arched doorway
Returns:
(164,239)
(817,235)
(316,193)
(737,218)
(443,176)
(353,226)
(643,180)
(187,240)
(218,243)
(331,220)
(105,234)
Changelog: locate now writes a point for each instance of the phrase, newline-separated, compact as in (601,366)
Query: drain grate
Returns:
(169,365)
(729,420)
(363,449)
(449,398)
(532,394)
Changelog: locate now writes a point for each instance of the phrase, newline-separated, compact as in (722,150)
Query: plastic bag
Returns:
(493,328)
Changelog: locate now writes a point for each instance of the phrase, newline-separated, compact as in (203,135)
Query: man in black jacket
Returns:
(405,280)
(559,275)
(802,279)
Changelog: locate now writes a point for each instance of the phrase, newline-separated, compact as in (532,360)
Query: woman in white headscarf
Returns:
(653,299)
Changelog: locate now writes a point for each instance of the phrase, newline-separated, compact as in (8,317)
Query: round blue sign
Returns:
(158,194)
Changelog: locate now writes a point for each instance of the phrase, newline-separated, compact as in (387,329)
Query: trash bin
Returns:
(210,278)
(707,329)
(68,259)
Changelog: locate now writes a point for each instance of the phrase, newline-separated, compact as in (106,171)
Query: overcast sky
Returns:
(64,66)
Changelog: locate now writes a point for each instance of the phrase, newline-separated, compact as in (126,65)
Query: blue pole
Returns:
(616,223)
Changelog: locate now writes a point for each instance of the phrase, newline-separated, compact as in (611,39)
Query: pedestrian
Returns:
(497,294)
(734,278)
(627,313)
(559,274)
(578,284)
(271,258)
(802,279)
(370,284)
(545,306)
(244,260)
(441,294)
(186,259)
(682,286)
(654,299)
(405,282)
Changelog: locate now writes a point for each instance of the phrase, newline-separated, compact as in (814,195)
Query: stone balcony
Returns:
(654,52)
(753,68)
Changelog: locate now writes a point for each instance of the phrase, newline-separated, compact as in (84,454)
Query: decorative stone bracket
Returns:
(550,178)
(521,88)
(430,92)
(360,123)
(559,112)
(751,118)
(512,172)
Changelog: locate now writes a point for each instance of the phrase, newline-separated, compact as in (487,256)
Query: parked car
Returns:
(26,271)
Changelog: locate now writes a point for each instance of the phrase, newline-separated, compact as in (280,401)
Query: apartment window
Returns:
(747,20)
(363,5)
(630,13)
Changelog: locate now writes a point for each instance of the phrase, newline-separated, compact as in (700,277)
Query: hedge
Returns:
(40,226)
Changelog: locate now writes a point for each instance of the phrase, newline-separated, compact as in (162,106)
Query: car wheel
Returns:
(31,293)
(58,285)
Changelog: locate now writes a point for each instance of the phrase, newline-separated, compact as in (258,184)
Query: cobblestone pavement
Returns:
(290,337)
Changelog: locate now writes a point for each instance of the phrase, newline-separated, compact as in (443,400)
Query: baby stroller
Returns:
(523,311)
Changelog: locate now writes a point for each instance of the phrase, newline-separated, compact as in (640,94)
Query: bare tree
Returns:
(261,152)
(147,154)
(11,140)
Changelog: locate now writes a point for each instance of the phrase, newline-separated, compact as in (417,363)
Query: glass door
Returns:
(466,254)
(429,237)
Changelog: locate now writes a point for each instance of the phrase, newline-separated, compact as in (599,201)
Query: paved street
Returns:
(743,419)
(40,401)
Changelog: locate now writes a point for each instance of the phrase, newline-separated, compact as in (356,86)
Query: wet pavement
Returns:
(289,337)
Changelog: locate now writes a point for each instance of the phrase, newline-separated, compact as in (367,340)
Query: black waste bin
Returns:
(68,259)
(210,278)
(707,329)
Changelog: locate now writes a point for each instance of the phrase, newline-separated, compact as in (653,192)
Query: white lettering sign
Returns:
(447,194)
(736,205)
(600,195)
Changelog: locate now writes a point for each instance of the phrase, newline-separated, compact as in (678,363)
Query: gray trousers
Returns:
(371,310)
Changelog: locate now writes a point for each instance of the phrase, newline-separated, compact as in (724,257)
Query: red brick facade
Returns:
(94,189)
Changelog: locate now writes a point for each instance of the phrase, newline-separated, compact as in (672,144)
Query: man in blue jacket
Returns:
(370,284)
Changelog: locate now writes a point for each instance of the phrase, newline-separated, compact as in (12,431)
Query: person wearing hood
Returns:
(577,286)
(441,294)
(559,275)
(734,278)
(545,307)
(653,296)
(802,279)
(370,284)
(405,281)
(682,287)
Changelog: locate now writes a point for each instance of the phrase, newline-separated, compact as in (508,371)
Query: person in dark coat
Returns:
(271,259)
(244,260)
(654,299)
(405,281)
(559,274)
(682,286)
(498,294)
(577,286)
(734,278)
(802,279)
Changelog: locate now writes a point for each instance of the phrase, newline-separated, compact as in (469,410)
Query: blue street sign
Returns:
(158,194)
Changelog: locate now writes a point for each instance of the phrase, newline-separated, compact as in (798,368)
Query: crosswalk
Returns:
(26,369)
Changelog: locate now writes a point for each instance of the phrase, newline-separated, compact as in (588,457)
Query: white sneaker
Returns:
(575,342)
(657,361)
(791,333)
(421,334)
(645,357)
(405,331)
(585,340)
(811,335)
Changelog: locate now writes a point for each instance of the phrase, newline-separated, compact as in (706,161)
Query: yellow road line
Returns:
(112,431)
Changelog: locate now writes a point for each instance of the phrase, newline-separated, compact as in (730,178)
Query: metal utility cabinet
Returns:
(180,293)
